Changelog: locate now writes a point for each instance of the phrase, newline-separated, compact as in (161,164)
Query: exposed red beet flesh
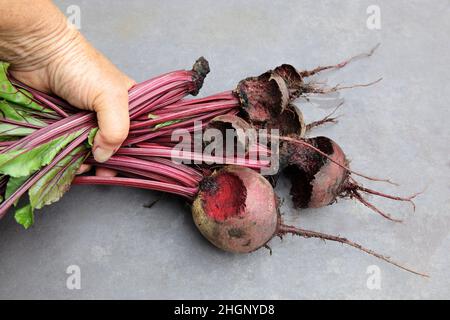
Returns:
(224,196)
(236,209)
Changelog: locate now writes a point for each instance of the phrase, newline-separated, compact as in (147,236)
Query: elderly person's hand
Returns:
(47,53)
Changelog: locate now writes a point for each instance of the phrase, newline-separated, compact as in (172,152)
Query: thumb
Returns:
(113,122)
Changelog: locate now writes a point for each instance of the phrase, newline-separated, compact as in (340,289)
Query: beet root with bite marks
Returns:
(319,174)
(236,209)
(265,99)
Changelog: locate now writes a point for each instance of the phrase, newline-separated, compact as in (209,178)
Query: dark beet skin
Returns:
(261,98)
(315,180)
(242,129)
(292,78)
(266,100)
(236,210)
(289,122)
(201,69)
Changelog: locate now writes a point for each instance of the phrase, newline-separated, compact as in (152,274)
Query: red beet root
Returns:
(236,210)
(265,100)
(319,174)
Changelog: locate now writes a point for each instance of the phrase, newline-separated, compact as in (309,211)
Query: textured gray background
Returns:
(398,129)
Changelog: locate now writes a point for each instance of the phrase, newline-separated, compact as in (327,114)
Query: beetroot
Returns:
(243,135)
(266,99)
(236,209)
(318,171)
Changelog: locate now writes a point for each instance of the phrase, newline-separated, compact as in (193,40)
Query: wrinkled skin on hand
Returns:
(48,54)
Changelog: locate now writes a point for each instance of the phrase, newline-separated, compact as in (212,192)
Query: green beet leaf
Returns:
(12,130)
(165,124)
(91,136)
(51,187)
(18,96)
(13,185)
(25,216)
(21,163)
(12,111)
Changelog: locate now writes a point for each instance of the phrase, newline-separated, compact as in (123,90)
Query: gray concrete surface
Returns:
(398,129)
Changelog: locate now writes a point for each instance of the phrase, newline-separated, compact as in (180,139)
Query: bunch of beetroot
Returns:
(44,141)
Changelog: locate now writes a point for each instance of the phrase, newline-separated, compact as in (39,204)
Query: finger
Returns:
(83,169)
(113,121)
(105,172)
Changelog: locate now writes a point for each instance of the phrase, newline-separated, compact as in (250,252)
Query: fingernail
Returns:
(102,155)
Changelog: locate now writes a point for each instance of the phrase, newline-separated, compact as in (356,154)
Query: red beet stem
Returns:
(197,110)
(153,167)
(187,192)
(63,126)
(167,152)
(189,170)
(136,173)
(184,123)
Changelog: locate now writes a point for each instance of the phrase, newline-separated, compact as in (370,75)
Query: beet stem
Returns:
(166,152)
(285,229)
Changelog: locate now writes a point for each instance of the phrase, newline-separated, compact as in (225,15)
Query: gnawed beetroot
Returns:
(242,133)
(266,99)
(236,209)
(289,122)
(318,171)
(262,97)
